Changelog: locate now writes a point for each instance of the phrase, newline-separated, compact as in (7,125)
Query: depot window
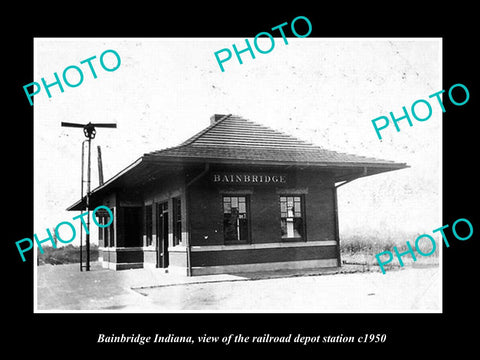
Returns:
(292,222)
(177,221)
(148,225)
(235,219)
(107,233)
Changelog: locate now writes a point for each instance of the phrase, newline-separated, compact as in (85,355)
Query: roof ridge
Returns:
(200,133)
(258,144)
(191,140)
(280,132)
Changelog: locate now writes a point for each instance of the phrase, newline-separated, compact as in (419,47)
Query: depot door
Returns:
(162,235)
(133,226)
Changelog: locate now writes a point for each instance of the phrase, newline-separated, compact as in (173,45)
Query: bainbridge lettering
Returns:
(249,179)
(138,339)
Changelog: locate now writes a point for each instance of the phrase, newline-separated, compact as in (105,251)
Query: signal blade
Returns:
(67,124)
(104,125)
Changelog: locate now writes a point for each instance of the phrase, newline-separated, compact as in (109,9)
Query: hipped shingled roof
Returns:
(234,140)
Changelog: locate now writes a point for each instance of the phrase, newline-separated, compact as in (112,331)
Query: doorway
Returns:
(133,226)
(162,235)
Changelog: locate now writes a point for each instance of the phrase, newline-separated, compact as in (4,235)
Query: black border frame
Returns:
(419,334)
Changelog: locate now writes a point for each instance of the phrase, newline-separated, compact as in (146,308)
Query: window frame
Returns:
(101,236)
(247,218)
(109,232)
(149,225)
(303,238)
(177,221)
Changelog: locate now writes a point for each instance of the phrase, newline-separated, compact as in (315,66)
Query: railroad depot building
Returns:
(236,197)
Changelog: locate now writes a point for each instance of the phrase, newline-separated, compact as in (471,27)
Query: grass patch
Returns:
(65,255)
(369,245)
(361,250)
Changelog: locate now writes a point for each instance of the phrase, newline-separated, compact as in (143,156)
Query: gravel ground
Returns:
(64,288)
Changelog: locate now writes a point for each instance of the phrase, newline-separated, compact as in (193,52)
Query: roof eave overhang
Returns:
(81,204)
(182,159)
(358,169)
(354,169)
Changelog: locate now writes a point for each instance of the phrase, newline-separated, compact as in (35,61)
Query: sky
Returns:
(322,90)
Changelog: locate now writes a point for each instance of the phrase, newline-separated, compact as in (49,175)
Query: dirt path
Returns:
(408,290)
